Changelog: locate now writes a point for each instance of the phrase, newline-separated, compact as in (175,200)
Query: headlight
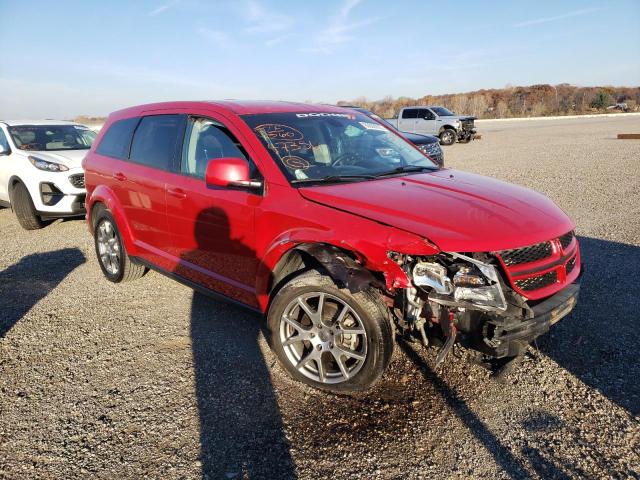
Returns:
(474,282)
(46,165)
(434,275)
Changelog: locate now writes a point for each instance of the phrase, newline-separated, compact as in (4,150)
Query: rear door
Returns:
(212,228)
(153,157)
(407,120)
(425,122)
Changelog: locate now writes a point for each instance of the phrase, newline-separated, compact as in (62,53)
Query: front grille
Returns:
(77,180)
(571,265)
(534,283)
(526,254)
(467,124)
(565,240)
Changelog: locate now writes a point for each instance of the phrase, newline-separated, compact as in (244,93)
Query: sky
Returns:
(66,58)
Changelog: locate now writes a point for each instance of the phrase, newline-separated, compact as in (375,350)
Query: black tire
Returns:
(24,208)
(448,136)
(118,268)
(366,313)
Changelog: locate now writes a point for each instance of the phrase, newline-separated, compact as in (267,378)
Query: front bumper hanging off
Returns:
(509,335)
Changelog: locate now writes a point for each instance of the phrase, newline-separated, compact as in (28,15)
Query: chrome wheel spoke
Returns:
(294,323)
(343,313)
(321,371)
(341,365)
(292,340)
(349,353)
(303,361)
(352,331)
(307,309)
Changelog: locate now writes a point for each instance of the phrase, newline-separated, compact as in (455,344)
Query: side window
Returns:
(116,141)
(410,113)
(4,142)
(205,140)
(155,140)
(422,113)
(428,115)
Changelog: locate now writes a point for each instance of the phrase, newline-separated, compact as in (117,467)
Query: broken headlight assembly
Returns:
(458,280)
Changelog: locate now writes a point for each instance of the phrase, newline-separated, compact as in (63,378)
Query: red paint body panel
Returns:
(230,240)
(457,211)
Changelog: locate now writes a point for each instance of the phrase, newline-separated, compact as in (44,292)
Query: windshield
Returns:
(442,112)
(52,137)
(382,120)
(317,147)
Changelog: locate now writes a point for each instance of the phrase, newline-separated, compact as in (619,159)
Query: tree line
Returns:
(511,101)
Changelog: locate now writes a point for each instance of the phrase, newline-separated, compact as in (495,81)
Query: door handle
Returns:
(121,177)
(176,192)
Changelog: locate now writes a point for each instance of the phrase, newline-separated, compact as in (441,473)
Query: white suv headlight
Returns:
(46,165)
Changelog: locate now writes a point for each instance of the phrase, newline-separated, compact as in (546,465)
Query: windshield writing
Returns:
(334,147)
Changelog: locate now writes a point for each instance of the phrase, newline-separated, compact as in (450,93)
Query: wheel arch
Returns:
(342,265)
(11,185)
(446,127)
(105,196)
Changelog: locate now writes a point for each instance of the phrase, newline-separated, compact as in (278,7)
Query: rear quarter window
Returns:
(116,141)
(410,113)
(156,139)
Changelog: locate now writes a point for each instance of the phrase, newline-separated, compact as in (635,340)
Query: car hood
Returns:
(460,117)
(69,158)
(418,139)
(457,211)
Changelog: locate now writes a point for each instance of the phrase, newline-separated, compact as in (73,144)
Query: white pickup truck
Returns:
(434,120)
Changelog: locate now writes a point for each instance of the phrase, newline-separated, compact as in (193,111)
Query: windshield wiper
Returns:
(407,169)
(335,179)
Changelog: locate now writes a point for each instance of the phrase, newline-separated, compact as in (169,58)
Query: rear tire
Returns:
(343,346)
(448,136)
(113,258)
(24,208)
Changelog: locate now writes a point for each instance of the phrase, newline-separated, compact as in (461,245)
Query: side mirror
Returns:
(230,172)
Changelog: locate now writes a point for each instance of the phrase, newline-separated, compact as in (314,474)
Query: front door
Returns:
(212,228)
(426,122)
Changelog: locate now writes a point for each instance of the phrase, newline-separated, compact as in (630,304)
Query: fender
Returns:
(12,181)
(105,195)
(356,255)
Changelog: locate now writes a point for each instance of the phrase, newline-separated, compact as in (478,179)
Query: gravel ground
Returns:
(151,380)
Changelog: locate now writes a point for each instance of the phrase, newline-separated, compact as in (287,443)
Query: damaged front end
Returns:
(464,299)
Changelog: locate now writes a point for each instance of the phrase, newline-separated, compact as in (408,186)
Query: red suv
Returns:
(334,227)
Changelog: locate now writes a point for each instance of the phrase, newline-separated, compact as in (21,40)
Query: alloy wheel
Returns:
(323,337)
(108,247)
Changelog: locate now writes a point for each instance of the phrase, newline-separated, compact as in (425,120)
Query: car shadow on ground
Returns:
(23,284)
(503,456)
(241,429)
(598,342)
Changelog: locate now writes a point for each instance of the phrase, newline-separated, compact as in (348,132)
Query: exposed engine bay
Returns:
(460,299)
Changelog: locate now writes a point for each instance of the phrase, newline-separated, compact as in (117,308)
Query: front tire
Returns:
(328,337)
(24,208)
(114,261)
(448,137)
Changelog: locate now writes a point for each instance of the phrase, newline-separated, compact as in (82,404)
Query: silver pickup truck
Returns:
(439,121)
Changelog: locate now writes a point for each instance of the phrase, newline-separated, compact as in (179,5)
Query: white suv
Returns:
(41,176)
